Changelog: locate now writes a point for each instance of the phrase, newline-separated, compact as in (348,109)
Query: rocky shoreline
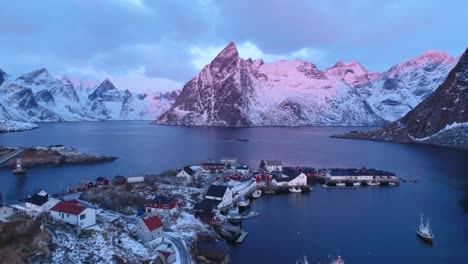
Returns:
(54,156)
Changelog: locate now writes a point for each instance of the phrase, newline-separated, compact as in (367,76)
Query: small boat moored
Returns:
(296,189)
(373,183)
(337,260)
(424,231)
(257,193)
(356,184)
(341,184)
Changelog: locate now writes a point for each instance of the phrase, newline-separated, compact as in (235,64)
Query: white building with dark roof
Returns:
(220,193)
(273,165)
(186,173)
(40,202)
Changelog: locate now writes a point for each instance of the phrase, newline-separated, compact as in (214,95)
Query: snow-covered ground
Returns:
(15,126)
(98,246)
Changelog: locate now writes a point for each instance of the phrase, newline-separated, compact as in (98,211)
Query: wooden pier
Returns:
(242,237)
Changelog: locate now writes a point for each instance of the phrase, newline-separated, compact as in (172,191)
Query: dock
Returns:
(242,237)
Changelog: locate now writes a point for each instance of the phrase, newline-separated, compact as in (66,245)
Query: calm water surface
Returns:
(366,225)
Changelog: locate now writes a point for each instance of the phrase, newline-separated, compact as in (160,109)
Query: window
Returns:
(83,216)
(68,215)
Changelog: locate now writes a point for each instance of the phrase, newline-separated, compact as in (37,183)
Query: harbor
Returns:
(226,190)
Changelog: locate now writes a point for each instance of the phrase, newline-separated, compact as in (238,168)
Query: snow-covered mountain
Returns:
(405,85)
(231,91)
(441,119)
(39,97)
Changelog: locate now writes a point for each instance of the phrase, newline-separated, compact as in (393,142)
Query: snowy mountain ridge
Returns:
(39,97)
(231,91)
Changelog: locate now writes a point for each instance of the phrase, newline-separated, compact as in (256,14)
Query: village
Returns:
(187,215)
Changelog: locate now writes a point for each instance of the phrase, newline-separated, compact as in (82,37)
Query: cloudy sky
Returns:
(145,44)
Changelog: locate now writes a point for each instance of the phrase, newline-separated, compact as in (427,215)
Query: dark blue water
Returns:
(366,225)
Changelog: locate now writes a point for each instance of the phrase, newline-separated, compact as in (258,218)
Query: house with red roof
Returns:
(73,213)
(149,228)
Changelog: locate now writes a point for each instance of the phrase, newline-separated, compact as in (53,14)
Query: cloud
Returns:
(172,40)
(202,56)
(133,79)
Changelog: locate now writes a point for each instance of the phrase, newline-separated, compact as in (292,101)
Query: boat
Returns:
(303,261)
(257,193)
(373,183)
(356,184)
(392,183)
(425,231)
(296,189)
(337,260)
(341,184)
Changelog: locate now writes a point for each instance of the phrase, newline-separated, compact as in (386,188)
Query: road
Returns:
(10,156)
(183,252)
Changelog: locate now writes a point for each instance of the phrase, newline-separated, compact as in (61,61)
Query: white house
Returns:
(220,193)
(149,228)
(273,165)
(72,213)
(294,180)
(40,202)
(229,161)
(186,173)
(244,169)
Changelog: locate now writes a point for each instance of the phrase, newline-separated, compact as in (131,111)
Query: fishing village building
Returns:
(72,213)
(149,228)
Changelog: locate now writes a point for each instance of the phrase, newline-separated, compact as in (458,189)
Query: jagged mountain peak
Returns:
(428,58)
(228,55)
(41,73)
(3,76)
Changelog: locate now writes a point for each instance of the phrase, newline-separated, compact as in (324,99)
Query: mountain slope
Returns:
(441,119)
(234,92)
(39,97)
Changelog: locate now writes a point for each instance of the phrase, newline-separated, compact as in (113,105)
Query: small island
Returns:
(52,156)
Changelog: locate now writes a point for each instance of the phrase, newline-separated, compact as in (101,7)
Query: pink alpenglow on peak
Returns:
(431,57)
(353,73)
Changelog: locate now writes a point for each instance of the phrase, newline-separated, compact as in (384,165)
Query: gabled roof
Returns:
(283,179)
(189,170)
(291,172)
(152,222)
(273,162)
(38,199)
(213,164)
(68,207)
(216,191)
(206,205)
(163,199)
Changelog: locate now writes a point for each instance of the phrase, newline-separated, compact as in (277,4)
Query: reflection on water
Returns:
(368,225)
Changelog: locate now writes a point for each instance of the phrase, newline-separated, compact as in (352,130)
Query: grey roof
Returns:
(188,170)
(163,199)
(206,205)
(273,162)
(216,191)
(38,199)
